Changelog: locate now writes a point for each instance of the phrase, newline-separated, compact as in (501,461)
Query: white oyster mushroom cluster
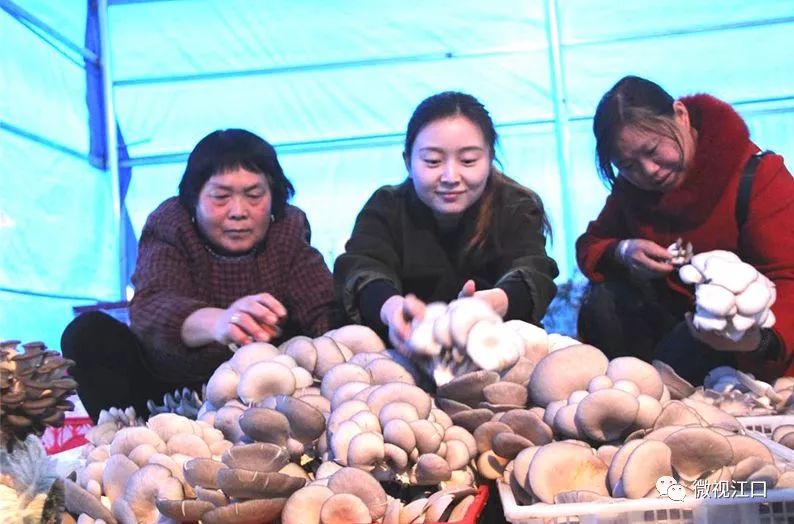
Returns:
(128,470)
(467,334)
(731,296)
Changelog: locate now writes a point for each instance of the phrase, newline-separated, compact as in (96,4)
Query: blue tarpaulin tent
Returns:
(100,102)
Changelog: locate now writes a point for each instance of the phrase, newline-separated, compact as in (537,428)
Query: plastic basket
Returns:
(776,507)
(765,425)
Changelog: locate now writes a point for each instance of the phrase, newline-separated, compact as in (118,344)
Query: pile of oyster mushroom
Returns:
(317,430)
(742,395)
(335,429)
(601,430)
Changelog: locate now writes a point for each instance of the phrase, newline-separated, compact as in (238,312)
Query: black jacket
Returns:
(397,248)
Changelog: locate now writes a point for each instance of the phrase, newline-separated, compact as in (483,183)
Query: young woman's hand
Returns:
(253,318)
(749,342)
(644,258)
(495,297)
(398,313)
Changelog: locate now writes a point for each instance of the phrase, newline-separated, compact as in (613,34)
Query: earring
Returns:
(272,217)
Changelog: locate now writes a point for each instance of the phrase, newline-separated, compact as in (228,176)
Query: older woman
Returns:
(679,165)
(225,263)
(455,227)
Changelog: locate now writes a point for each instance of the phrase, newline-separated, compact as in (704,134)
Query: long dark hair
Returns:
(632,101)
(453,103)
(227,149)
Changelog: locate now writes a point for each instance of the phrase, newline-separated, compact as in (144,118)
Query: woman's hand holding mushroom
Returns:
(496,298)
(398,313)
(250,318)
(733,301)
(644,258)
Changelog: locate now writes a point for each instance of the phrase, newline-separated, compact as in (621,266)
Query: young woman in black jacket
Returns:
(455,227)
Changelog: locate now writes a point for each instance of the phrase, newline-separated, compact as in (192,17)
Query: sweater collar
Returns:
(720,151)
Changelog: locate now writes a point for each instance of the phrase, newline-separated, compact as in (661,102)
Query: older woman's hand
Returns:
(398,314)
(644,258)
(249,319)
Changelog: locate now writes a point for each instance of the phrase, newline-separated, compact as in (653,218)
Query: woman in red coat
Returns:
(678,168)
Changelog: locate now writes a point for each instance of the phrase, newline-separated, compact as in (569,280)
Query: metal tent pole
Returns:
(111,146)
(561,129)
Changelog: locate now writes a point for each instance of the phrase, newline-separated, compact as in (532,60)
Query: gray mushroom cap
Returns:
(202,472)
(304,505)
(79,501)
(244,484)
(259,456)
(644,375)
(264,379)
(363,485)
(303,351)
(678,387)
(563,371)
(505,393)
(306,423)
(248,512)
(342,374)
(645,465)
(698,450)
(344,508)
(265,425)
(398,392)
(744,446)
(468,388)
(431,469)
(184,510)
(529,425)
(472,419)
(618,462)
(561,466)
(117,471)
(676,413)
(227,419)
(252,353)
(451,407)
(606,414)
(508,445)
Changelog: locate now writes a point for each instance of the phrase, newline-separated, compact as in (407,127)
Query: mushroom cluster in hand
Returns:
(731,296)
(466,335)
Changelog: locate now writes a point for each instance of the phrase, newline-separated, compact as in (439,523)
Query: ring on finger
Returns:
(235,318)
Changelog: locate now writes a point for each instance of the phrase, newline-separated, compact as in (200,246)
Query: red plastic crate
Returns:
(476,508)
(68,436)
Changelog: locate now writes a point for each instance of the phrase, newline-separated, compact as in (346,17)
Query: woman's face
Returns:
(233,210)
(449,165)
(654,161)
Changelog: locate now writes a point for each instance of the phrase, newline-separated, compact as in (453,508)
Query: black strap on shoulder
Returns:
(745,186)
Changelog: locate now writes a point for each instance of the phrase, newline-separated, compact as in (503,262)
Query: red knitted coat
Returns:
(702,211)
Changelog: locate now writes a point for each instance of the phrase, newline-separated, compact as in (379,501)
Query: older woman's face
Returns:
(449,165)
(233,210)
